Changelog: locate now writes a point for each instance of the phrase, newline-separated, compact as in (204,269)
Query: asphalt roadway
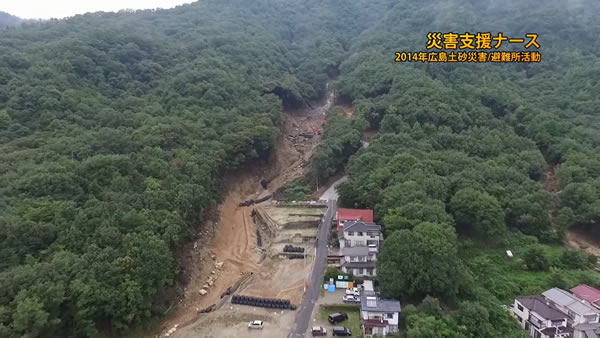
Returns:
(316,277)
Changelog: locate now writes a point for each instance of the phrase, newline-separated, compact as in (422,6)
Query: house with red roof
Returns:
(345,215)
(588,293)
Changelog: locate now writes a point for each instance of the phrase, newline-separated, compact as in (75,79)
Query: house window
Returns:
(389,315)
(360,233)
(520,307)
(348,243)
(370,271)
(350,233)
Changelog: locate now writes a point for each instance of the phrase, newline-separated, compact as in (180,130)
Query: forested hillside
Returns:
(115,130)
(462,167)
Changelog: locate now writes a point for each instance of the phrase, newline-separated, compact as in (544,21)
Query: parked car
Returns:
(342,331)
(351,299)
(337,317)
(353,291)
(255,324)
(319,331)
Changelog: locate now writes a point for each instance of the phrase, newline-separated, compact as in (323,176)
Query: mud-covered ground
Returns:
(234,241)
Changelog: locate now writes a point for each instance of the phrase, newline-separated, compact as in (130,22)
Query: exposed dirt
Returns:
(369,134)
(550,180)
(233,322)
(583,241)
(348,110)
(295,146)
(277,279)
(234,242)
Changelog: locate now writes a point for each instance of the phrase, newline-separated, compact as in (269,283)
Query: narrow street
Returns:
(317,275)
(331,192)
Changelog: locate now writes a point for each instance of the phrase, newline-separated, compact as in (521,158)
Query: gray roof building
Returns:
(356,251)
(359,265)
(360,226)
(587,330)
(540,306)
(569,301)
(374,304)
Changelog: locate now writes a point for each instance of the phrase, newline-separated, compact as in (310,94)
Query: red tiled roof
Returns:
(365,215)
(374,323)
(355,214)
(587,292)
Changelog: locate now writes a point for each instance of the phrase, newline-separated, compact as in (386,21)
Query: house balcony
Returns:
(537,323)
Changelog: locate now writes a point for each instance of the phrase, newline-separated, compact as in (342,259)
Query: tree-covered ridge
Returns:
(470,149)
(499,126)
(7,21)
(115,131)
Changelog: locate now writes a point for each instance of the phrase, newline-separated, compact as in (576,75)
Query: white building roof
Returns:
(570,301)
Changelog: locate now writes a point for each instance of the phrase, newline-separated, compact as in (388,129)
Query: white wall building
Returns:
(359,261)
(578,310)
(359,233)
(539,318)
(378,316)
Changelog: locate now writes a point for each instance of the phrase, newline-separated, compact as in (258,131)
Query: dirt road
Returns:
(235,243)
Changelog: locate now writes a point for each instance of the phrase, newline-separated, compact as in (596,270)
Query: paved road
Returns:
(316,278)
(331,193)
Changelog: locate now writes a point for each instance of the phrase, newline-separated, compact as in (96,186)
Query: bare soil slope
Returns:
(234,242)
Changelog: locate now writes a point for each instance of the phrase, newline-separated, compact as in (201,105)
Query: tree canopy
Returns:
(115,132)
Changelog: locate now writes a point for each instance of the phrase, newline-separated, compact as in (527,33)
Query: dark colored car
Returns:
(337,317)
(341,331)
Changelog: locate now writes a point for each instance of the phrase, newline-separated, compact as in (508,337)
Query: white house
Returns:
(540,318)
(378,316)
(359,233)
(586,331)
(359,261)
(578,310)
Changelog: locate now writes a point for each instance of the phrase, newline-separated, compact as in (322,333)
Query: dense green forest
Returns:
(116,130)
(473,159)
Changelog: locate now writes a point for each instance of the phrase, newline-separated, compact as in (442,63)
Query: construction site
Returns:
(258,247)
(284,254)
